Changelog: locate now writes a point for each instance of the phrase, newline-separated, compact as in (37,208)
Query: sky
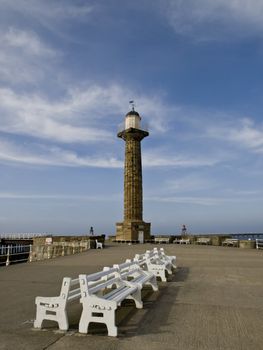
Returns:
(68,70)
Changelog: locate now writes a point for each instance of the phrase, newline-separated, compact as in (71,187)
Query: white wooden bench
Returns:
(259,243)
(54,308)
(99,304)
(230,242)
(130,270)
(151,262)
(162,240)
(99,245)
(169,258)
(203,240)
(182,241)
(185,241)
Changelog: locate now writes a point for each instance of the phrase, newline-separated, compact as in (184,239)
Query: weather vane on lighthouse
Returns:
(132,104)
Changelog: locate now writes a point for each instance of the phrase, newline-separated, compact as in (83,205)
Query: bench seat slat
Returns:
(120,293)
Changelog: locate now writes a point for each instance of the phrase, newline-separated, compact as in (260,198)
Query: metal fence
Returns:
(259,243)
(21,235)
(14,253)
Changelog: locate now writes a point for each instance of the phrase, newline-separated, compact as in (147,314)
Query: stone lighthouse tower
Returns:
(133,227)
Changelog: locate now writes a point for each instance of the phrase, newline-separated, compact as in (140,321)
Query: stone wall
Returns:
(54,246)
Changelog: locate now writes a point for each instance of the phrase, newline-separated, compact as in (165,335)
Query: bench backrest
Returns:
(230,240)
(141,260)
(203,239)
(162,239)
(128,268)
(70,289)
(95,282)
(152,256)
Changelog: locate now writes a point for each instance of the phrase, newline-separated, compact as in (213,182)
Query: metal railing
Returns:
(14,254)
(259,243)
(21,235)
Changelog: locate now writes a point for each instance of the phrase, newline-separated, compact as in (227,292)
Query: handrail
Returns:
(7,252)
(22,235)
(259,243)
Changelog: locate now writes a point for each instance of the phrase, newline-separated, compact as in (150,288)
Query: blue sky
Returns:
(67,72)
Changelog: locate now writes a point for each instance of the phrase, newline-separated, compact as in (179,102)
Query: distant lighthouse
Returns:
(133,228)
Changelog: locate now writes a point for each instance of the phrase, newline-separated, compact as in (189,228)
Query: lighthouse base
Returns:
(133,231)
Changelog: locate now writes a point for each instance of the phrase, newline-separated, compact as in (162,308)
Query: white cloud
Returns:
(36,116)
(34,154)
(39,154)
(162,159)
(24,57)
(190,183)
(95,198)
(48,9)
(202,200)
(244,133)
(80,116)
(26,41)
(209,19)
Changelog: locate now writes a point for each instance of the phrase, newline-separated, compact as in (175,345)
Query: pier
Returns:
(213,301)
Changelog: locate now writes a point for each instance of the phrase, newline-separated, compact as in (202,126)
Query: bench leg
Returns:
(59,316)
(85,320)
(153,284)
(162,275)
(98,316)
(110,323)
(169,271)
(158,273)
(62,320)
(173,265)
(137,297)
(40,316)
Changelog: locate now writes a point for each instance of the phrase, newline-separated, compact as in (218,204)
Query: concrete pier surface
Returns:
(213,301)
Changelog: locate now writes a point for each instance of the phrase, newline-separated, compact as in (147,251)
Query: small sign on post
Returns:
(48,240)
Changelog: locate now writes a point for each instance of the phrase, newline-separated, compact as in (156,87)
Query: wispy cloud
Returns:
(38,117)
(78,116)
(39,154)
(26,41)
(49,9)
(162,159)
(244,133)
(36,196)
(209,20)
(202,200)
(23,57)
(34,154)
(191,183)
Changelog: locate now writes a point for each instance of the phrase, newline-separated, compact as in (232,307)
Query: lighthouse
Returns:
(133,228)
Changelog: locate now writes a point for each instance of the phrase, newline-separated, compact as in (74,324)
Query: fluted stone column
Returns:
(133,193)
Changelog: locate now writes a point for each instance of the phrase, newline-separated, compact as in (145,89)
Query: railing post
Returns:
(30,253)
(7,256)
